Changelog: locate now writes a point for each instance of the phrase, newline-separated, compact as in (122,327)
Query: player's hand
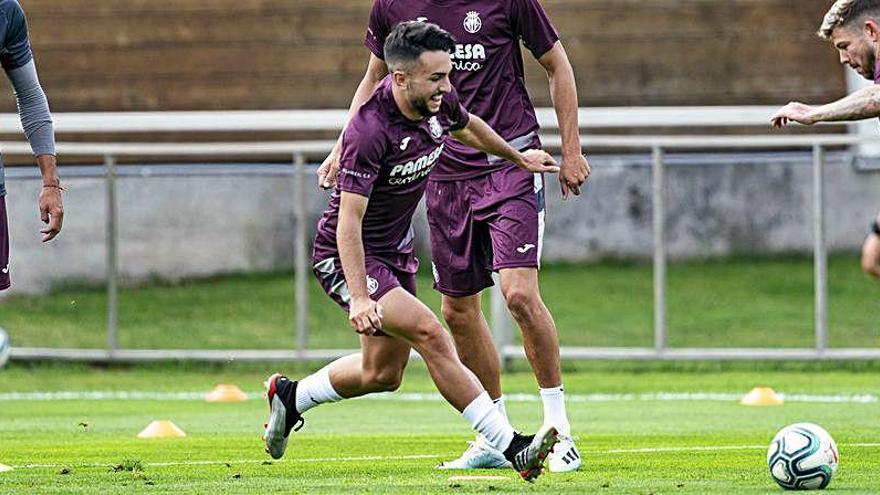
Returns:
(794,111)
(871,255)
(539,161)
(328,171)
(365,316)
(51,212)
(572,174)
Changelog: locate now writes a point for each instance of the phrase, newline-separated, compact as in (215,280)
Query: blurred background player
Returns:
(363,253)
(484,213)
(33,108)
(853,27)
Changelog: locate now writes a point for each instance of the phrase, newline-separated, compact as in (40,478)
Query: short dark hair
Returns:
(843,12)
(408,40)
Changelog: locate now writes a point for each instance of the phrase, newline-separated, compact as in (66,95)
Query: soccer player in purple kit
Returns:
(363,253)
(484,213)
(853,27)
(33,108)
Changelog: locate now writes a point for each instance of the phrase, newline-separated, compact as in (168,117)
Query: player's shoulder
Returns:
(11,7)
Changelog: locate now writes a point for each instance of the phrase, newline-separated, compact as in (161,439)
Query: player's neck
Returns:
(404,105)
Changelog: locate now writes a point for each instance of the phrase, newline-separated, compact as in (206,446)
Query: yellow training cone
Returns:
(161,429)
(761,396)
(4,468)
(226,393)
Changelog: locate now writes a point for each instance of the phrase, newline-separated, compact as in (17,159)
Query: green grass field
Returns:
(723,303)
(643,428)
(631,444)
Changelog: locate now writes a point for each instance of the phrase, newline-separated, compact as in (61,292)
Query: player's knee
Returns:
(429,337)
(384,379)
(458,316)
(521,302)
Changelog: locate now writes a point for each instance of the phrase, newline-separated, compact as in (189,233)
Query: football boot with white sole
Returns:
(565,456)
(283,416)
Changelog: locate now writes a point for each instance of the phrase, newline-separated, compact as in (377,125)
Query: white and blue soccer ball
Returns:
(5,347)
(802,456)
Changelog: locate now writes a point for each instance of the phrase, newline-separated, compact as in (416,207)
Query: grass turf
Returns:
(78,446)
(717,303)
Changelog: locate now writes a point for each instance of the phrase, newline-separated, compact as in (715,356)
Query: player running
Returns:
(33,109)
(486,214)
(853,27)
(363,254)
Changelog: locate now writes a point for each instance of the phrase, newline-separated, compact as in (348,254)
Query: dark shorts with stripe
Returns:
(382,277)
(4,246)
(483,225)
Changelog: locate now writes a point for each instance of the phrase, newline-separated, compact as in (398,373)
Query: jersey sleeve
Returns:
(363,149)
(16,45)
(378,29)
(532,25)
(456,114)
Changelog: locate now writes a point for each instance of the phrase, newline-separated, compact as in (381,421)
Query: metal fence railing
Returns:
(300,151)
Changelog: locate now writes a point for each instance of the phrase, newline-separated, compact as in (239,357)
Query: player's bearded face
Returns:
(856,50)
(429,81)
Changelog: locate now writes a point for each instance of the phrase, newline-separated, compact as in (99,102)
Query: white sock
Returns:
(499,403)
(484,417)
(315,389)
(554,409)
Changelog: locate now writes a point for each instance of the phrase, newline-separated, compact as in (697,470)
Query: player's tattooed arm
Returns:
(477,134)
(376,71)
(563,92)
(863,104)
(365,315)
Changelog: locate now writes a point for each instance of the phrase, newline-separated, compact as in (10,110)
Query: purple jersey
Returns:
(488,66)
(387,158)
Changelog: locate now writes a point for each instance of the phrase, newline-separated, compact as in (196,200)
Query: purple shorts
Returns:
(382,277)
(482,225)
(4,247)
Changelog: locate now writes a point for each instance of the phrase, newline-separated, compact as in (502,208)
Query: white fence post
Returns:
(659,202)
(112,241)
(820,258)
(301,254)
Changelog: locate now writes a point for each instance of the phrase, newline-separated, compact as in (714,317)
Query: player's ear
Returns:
(872,30)
(398,77)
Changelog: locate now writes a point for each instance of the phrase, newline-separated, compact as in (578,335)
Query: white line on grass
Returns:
(378,458)
(707,448)
(434,397)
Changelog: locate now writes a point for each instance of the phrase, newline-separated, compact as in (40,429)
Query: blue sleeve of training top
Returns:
(16,51)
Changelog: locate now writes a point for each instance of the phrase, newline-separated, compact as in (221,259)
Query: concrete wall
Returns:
(183,226)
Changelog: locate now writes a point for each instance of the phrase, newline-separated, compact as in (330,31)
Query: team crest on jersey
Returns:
(372,285)
(436,130)
(472,22)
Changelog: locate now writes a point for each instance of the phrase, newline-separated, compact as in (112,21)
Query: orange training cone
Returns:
(226,393)
(761,396)
(161,429)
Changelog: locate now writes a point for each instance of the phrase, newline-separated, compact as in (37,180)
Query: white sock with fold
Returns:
(499,403)
(554,409)
(315,389)
(484,417)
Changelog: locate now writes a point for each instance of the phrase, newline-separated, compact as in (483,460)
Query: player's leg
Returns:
(459,252)
(516,224)
(473,339)
(409,319)
(377,368)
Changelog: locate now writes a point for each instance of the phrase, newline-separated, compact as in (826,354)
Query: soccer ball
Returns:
(802,456)
(5,348)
